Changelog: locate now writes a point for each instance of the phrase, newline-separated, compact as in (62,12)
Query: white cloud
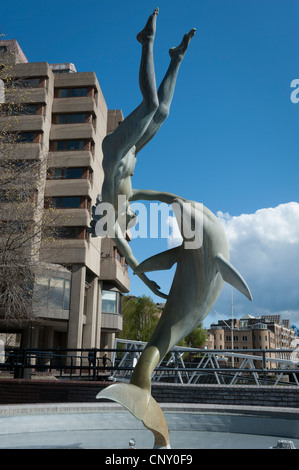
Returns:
(264,247)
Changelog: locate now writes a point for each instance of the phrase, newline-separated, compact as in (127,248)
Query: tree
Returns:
(195,339)
(140,318)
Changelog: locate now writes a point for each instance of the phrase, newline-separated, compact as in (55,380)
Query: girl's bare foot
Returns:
(149,31)
(179,51)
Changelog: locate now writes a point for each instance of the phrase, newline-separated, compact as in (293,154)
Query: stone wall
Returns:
(16,391)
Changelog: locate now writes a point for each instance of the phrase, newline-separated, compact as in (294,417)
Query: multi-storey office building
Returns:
(66,119)
(249,332)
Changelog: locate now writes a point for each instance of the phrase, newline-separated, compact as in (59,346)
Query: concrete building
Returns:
(249,332)
(83,281)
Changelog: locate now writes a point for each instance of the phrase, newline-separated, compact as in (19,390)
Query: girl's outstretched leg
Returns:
(133,127)
(166,89)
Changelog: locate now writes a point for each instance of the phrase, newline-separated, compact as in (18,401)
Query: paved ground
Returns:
(109,426)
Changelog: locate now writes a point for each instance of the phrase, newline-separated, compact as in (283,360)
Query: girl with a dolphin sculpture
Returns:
(200,271)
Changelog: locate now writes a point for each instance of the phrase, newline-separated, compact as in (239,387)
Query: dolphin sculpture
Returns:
(198,281)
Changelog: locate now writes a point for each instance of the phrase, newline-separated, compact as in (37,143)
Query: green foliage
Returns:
(140,318)
(195,339)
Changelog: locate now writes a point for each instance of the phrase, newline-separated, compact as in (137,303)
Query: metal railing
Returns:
(181,365)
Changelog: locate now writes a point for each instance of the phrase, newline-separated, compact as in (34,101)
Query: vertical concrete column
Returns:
(99,318)
(75,326)
(30,336)
(48,338)
(89,329)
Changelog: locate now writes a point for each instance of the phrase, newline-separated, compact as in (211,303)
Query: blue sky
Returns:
(230,141)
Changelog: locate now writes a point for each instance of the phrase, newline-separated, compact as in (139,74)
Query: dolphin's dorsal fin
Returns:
(164,260)
(232,276)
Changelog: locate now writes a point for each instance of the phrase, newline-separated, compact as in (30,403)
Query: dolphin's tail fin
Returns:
(143,407)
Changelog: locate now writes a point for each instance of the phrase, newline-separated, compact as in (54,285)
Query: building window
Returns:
(29,82)
(65,173)
(236,338)
(71,92)
(75,118)
(65,145)
(52,292)
(68,202)
(69,173)
(228,338)
(109,301)
(244,338)
(27,137)
(72,232)
(20,109)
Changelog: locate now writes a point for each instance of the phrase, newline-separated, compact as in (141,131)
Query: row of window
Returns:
(39,109)
(65,92)
(244,338)
(80,233)
(117,255)
(68,202)
(22,109)
(55,146)
(54,292)
(73,118)
(70,173)
(72,145)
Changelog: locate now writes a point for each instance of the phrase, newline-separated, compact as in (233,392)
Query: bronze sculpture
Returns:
(201,269)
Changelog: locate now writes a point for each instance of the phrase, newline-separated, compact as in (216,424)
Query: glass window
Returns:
(62,145)
(65,173)
(67,291)
(41,290)
(66,202)
(57,173)
(53,292)
(70,118)
(59,145)
(72,173)
(56,292)
(28,109)
(29,82)
(67,232)
(60,119)
(74,92)
(76,118)
(63,93)
(74,145)
(25,137)
(71,92)
(70,202)
(109,301)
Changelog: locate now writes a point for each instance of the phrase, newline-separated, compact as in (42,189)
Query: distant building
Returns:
(249,332)
(67,118)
